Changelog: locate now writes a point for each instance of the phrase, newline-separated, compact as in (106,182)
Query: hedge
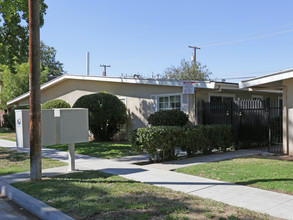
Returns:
(160,142)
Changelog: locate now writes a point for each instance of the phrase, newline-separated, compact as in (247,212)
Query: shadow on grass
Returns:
(97,195)
(99,149)
(251,182)
(123,171)
(12,155)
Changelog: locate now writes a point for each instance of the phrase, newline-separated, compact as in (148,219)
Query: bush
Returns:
(106,114)
(160,141)
(56,103)
(134,140)
(9,119)
(168,118)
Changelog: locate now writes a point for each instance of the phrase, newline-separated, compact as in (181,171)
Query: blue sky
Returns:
(237,38)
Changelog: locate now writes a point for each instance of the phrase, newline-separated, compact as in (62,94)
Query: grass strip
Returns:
(12,161)
(269,174)
(97,195)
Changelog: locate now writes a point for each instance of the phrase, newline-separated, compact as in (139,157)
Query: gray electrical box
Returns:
(59,126)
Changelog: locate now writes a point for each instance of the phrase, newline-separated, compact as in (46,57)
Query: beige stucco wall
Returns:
(288,116)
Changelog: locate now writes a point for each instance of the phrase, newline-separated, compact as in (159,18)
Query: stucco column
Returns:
(288,116)
(285,121)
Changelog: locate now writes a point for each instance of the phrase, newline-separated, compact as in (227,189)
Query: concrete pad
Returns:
(6,143)
(283,210)
(214,194)
(255,204)
(264,194)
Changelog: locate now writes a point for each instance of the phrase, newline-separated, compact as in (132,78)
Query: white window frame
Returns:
(157,96)
(222,95)
(257,97)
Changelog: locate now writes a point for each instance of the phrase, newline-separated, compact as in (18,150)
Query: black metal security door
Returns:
(255,123)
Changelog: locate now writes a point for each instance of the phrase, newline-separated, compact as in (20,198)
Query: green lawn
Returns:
(100,149)
(96,195)
(7,134)
(12,161)
(275,175)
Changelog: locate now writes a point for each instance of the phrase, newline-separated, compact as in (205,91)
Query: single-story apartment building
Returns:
(145,96)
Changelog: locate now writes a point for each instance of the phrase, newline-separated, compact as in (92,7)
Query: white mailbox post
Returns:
(59,126)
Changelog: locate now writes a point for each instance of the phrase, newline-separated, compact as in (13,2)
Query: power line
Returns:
(248,39)
(248,34)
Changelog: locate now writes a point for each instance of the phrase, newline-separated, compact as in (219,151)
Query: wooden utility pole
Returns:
(105,69)
(35,95)
(194,54)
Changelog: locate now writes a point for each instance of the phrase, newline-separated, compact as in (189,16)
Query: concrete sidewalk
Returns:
(272,203)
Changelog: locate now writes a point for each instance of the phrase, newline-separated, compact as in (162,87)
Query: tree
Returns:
(14,33)
(55,103)
(48,60)
(187,71)
(14,85)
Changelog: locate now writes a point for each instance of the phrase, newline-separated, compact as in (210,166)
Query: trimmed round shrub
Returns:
(56,103)
(168,118)
(106,114)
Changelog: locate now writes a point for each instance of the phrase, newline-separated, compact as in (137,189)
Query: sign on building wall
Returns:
(188,88)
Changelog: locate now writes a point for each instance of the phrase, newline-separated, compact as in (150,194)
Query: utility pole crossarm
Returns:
(105,68)
(194,55)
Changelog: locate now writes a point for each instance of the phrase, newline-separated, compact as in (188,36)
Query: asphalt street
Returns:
(10,210)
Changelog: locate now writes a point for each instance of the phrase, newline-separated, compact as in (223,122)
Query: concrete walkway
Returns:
(272,203)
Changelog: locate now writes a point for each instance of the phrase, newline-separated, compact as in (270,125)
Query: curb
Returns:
(35,206)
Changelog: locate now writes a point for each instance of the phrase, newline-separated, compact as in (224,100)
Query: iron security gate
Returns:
(255,123)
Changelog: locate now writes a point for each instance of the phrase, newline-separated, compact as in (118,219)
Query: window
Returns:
(216,98)
(169,102)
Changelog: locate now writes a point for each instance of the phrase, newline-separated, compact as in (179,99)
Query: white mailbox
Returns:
(71,125)
(48,127)
(59,126)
